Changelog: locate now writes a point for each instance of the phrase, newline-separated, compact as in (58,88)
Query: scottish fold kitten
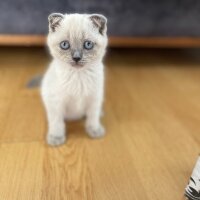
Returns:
(73,85)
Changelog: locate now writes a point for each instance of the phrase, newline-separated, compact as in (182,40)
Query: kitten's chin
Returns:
(77,65)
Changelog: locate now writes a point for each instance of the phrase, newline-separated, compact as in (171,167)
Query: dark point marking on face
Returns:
(100,22)
(54,21)
(77,55)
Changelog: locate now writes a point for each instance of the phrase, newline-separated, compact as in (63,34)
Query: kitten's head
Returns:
(77,39)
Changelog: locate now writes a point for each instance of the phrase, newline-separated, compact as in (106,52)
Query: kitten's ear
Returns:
(100,22)
(54,21)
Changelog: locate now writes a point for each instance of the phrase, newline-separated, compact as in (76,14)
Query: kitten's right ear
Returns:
(100,22)
(54,21)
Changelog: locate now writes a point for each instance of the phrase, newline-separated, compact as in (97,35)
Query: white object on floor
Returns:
(192,191)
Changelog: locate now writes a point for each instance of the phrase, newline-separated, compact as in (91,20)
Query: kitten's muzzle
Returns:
(77,56)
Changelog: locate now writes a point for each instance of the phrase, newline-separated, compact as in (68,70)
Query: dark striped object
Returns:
(192,191)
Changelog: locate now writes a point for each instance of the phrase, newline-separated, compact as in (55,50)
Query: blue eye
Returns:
(88,45)
(64,45)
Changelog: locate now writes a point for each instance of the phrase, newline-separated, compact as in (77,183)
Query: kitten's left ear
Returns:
(100,22)
(54,21)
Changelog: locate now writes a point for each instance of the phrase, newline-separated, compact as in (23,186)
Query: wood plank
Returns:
(148,122)
(151,117)
(155,42)
(22,40)
(20,105)
(114,41)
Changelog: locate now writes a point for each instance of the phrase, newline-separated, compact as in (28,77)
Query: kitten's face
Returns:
(77,39)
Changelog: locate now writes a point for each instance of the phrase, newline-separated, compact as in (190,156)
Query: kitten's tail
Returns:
(35,81)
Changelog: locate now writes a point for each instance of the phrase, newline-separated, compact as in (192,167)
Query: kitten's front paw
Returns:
(95,132)
(54,140)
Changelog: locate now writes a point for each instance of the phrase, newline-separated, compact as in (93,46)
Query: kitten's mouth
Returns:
(77,64)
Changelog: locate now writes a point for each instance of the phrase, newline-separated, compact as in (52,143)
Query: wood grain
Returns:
(114,41)
(151,117)
(22,40)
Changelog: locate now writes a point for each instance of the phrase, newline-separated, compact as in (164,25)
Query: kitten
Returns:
(73,85)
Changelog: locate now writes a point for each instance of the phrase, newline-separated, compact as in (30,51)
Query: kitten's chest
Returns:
(79,85)
(75,108)
(77,92)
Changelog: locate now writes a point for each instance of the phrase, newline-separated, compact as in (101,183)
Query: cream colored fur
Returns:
(72,92)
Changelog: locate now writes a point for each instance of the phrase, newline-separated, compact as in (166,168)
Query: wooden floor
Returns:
(152,118)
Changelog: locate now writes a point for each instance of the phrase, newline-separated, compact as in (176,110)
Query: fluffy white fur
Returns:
(72,92)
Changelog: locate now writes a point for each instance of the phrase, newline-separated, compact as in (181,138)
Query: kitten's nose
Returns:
(76,56)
